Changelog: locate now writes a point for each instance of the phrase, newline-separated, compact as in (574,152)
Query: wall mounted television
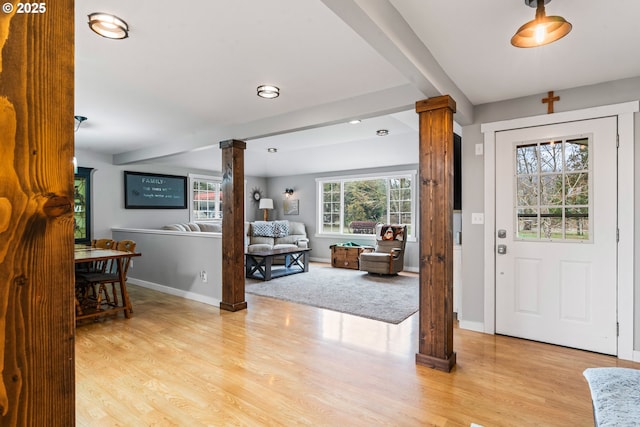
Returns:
(144,190)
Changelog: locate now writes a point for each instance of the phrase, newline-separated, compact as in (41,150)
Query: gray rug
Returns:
(390,299)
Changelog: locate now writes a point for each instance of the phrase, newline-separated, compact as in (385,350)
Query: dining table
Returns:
(87,256)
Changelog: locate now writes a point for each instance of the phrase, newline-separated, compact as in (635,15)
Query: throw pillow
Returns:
(392,232)
(280,228)
(262,228)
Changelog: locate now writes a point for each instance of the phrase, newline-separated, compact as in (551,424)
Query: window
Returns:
(205,198)
(552,189)
(354,205)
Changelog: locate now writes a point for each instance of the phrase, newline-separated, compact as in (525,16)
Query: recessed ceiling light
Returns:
(109,26)
(272,150)
(354,122)
(268,91)
(382,132)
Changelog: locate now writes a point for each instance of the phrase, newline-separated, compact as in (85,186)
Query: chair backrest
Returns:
(103,243)
(390,237)
(126,246)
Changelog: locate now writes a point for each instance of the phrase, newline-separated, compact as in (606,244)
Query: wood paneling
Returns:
(183,363)
(233,298)
(435,184)
(37,324)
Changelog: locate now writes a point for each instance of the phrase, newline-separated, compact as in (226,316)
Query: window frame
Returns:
(208,178)
(410,174)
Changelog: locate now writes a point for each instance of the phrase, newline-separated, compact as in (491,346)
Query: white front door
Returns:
(556,228)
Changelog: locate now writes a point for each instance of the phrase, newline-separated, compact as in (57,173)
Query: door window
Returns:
(553,188)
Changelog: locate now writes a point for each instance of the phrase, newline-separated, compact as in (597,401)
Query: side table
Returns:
(347,256)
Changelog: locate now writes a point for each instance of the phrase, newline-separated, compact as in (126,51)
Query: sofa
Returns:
(207,227)
(266,235)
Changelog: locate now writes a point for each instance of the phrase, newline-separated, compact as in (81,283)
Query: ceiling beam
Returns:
(387,101)
(380,24)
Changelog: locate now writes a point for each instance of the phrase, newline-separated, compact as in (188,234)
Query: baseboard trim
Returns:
(176,292)
(471,326)
(636,356)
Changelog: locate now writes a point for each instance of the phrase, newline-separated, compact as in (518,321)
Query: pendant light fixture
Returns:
(78,120)
(542,30)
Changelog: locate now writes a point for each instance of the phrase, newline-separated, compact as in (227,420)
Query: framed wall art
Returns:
(291,207)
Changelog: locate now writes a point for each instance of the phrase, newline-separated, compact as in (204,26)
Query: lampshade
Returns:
(542,30)
(266,204)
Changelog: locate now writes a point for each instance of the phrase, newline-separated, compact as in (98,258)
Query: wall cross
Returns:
(549,100)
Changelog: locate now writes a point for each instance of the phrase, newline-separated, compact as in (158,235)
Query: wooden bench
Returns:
(615,394)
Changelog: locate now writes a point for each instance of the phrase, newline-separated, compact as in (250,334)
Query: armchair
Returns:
(388,256)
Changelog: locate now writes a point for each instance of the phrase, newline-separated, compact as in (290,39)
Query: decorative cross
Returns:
(549,100)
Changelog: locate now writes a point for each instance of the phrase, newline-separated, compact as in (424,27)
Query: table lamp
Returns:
(266,204)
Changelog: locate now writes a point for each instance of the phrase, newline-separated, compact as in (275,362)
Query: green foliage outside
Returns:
(365,201)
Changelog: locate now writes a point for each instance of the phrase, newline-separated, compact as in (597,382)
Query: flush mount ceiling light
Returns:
(542,30)
(382,132)
(354,122)
(109,26)
(268,91)
(272,150)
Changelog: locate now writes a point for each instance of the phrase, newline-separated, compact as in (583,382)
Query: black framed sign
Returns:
(144,190)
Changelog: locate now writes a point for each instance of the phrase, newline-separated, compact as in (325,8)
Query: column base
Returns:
(233,306)
(444,365)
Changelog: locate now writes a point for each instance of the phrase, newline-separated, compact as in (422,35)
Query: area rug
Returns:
(390,299)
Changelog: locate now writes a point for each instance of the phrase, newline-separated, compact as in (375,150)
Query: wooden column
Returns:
(233,225)
(436,232)
(37,321)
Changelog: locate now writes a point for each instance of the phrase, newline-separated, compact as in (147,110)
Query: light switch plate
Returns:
(477,218)
(479,149)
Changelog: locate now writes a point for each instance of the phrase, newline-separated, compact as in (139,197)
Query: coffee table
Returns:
(259,264)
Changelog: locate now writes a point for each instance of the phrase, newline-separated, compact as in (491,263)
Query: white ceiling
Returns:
(186,77)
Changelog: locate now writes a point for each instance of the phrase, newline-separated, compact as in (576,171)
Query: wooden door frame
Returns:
(625,116)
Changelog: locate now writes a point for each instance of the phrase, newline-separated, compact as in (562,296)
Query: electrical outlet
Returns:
(203,276)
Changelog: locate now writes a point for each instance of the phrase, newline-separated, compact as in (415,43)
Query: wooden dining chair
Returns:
(104,285)
(84,290)
(99,266)
(103,243)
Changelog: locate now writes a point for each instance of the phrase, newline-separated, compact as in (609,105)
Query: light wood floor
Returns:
(181,363)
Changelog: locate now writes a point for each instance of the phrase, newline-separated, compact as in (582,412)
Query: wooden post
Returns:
(233,225)
(37,320)
(436,232)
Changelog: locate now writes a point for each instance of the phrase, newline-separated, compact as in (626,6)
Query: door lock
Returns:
(502,249)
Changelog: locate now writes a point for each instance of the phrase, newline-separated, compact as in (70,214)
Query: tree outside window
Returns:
(355,205)
(552,189)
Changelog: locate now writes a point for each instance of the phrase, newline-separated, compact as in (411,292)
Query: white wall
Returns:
(184,257)
(107,195)
(473,179)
